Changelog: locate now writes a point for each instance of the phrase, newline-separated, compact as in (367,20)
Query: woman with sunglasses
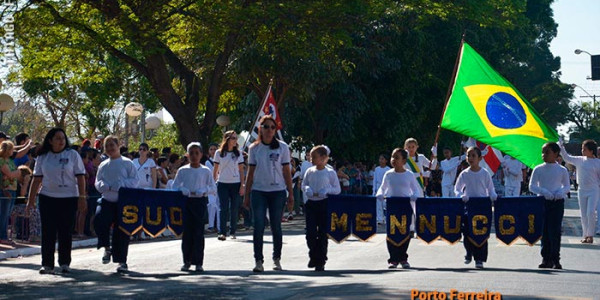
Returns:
(229,174)
(146,168)
(268,178)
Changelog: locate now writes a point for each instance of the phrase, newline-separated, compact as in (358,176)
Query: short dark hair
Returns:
(21,137)
(552,146)
(476,149)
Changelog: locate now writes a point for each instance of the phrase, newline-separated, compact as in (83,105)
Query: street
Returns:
(355,270)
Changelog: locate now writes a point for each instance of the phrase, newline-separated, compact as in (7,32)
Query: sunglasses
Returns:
(232,138)
(265,126)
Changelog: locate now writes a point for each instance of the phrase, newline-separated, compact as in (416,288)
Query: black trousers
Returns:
(555,211)
(192,241)
(316,231)
(107,215)
(398,254)
(477,253)
(58,218)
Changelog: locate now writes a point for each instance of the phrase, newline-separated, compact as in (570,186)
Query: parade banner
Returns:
(398,220)
(149,209)
(351,214)
(479,220)
(439,217)
(516,217)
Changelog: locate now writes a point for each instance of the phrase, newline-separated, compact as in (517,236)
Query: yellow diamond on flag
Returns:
(502,111)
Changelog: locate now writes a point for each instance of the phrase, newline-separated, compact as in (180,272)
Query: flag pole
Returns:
(450,86)
(258,113)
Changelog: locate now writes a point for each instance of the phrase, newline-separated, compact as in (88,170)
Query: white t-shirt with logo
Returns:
(229,166)
(144,172)
(268,174)
(59,172)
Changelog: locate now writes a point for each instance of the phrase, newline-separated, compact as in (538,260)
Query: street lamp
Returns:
(588,95)
(6,103)
(223,121)
(135,109)
(595,63)
(152,122)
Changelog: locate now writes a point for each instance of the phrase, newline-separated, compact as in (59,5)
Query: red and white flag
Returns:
(269,107)
(492,157)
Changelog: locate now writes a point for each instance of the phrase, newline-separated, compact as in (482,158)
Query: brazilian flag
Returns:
(485,106)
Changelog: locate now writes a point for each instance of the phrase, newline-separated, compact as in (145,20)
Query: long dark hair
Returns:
(592,146)
(46,147)
(275,142)
(224,147)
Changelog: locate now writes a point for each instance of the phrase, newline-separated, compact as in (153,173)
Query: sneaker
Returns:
(185,267)
(405,265)
(290,217)
(468,260)
(557,265)
(233,237)
(545,265)
(479,264)
(277,265)
(221,237)
(199,268)
(122,268)
(65,269)
(311,264)
(259,267)
(320,268)
(392,265)
(106,257)
(46,270)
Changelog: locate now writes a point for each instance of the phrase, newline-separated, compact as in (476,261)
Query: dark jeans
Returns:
(316,231)
(477,253)
(6,207)
(107,215)
(552,230)
(192,241)
(58,217)
(229,200)
(398,254)
(274,201)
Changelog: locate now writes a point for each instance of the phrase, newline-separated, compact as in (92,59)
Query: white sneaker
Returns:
(277,265)
(122,268)
(479,264)
(259,267)
(46,270)
(65,269)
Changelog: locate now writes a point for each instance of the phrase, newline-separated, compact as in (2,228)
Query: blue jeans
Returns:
(274,201)
(6,206)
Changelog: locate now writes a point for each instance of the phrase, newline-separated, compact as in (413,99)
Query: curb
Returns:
(37,249)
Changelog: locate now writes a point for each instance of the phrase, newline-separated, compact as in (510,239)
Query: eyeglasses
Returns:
(265,126)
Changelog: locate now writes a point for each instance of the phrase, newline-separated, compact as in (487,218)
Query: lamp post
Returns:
(595,63)
(588,95)
(223,121)
(152,122)
(135,109)
(6,103)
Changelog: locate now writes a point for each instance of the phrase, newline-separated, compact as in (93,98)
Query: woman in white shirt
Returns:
(146,168)
(268,178)
(60,172)
(228,172)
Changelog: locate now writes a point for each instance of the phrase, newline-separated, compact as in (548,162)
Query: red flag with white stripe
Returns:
(492,157)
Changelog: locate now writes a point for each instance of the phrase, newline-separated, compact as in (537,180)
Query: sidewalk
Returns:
(571,227)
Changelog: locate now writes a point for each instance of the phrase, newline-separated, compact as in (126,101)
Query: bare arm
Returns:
(249,181)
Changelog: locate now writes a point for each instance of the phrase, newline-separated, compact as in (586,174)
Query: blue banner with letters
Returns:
(399,215)
(351,214)
(151,210)
(439,217)
(516,217)
(479,220)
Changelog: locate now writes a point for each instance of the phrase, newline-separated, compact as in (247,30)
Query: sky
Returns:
(578,28)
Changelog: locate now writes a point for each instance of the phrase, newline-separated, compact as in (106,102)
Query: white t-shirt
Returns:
(378,177)
(448,167)
(319,180)
(399,184)
(59,172)
(422,162)
(198,180)
(550,178)
(229,166)
(268,174)
(513,171)
(145,172)
(114,174)
(475,184)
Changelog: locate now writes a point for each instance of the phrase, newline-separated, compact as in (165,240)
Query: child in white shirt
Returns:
(377,179)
